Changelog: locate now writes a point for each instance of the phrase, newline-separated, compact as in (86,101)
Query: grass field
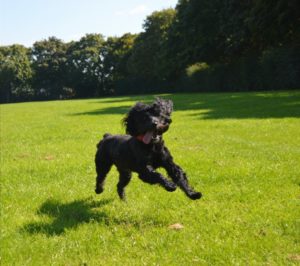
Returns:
(241,150)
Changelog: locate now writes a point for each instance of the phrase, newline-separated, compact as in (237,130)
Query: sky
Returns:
(27,21)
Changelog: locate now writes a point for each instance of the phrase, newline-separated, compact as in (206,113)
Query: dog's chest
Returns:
(151,155)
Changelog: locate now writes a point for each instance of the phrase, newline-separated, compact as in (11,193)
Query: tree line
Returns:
(201,45)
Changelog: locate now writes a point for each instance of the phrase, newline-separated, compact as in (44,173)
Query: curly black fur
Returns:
(142,150)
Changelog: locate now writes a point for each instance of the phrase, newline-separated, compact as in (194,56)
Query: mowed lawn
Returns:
(241,150)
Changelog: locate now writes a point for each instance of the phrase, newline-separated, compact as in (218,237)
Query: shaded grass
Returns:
(240,150)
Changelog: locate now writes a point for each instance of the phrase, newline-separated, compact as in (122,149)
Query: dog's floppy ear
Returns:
(129,121)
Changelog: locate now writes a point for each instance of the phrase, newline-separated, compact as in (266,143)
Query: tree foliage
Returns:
(116,52)
(84,66)
(48,59)
(148,51)
(15,73)
(201,45)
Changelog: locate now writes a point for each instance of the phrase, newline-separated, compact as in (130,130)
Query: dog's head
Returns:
(147,122)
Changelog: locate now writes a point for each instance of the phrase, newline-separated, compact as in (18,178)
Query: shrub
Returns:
(280,68)
(275,69)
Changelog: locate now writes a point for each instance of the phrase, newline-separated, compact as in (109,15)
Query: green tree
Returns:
(48,62)
(221,32)
(115,53)
(85,66)
(147,56)
(274,23)
(206,31)
(15,74)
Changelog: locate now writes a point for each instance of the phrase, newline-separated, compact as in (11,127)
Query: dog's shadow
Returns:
(65,216)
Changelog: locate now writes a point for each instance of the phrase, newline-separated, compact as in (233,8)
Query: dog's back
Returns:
(110,145)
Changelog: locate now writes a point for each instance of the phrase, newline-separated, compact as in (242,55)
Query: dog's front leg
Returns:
(178,175)
(148,175)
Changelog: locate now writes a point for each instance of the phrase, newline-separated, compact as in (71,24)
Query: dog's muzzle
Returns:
(161,128)
(154,135)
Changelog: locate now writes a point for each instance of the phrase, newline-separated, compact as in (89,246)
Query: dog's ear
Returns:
(129,121)
(169,106)
(166,106)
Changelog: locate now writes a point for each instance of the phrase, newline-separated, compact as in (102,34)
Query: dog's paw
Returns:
(99,190)
(195,195)
(121,194)
(170,187)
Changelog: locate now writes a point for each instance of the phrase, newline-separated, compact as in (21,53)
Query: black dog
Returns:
(142,150)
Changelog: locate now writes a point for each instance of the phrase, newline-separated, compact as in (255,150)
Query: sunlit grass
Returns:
(240,150)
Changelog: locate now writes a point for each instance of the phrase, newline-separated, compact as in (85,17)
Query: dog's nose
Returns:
(161,128)
(155,122)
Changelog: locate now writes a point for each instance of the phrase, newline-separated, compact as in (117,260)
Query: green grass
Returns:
(241,150)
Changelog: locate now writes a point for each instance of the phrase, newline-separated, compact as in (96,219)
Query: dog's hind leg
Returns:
(103,165)
(125,177)
(102,171)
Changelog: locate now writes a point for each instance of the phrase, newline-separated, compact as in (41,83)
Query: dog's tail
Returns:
(106,135)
